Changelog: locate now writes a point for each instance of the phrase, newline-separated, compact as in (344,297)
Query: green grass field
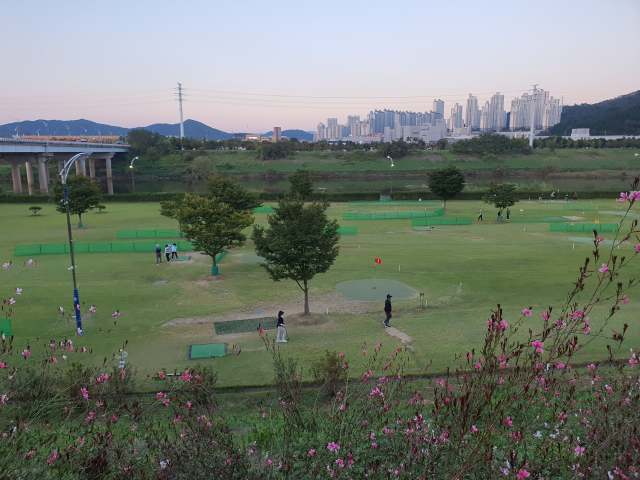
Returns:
(463,270)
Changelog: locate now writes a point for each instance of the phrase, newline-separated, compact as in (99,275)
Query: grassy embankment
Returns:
(463,270)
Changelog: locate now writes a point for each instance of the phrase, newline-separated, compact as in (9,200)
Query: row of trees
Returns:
(300,242)
(553,142)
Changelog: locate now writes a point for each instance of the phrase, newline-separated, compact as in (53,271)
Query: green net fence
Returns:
(93,247)
(535,219)
(385,199)
(147,233)
(583,227)
(5,327)
(263,210)
(394,203)
(579,206)
(429,222)
(392,215)
(348,230)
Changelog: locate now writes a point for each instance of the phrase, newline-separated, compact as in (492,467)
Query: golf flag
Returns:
(378,261)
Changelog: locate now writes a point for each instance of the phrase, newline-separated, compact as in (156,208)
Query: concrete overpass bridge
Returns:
(32,153)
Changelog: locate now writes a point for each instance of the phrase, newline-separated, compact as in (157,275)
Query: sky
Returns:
(247,66)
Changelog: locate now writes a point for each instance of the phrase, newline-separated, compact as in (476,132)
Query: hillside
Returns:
(618,116)
(192,129)
(294,133)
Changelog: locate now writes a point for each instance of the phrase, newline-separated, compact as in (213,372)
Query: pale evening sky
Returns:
(249,66)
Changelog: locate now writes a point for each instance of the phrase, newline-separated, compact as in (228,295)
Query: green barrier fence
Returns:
(579,206)
(583,227)
(348,230)
(536,219)
(263,210)
(147,233)
(93,247)
(394,203)
(392,215)
(430,222)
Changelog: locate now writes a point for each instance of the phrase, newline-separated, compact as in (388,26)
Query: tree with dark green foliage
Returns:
(301,184)
(446,183)
(84,195)
(35,209)
(233,194)
(274,150)
(142,140)
(501,195)
(395,149)
(211,225)
(300,243)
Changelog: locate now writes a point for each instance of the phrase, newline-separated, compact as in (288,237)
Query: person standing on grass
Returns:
(508,213)
(167,253)
(575,195)
(387,310)
(282,333)
(158,255)
(480,216)
(553,195)
(174,251)
(499,215)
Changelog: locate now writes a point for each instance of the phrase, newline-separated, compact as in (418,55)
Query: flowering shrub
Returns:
(330,371)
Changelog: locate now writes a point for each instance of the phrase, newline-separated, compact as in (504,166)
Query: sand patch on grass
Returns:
(394,332)
(569,217)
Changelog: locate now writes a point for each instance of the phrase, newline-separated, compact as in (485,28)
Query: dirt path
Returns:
(394,332)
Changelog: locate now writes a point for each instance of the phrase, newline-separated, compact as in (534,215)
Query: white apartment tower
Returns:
(438,107)
(497,113)
(472,119)
(456,120)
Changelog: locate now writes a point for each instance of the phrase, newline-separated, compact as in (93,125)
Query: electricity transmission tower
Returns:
(533,106)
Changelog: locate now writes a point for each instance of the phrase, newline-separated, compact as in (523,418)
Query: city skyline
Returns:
(291,63)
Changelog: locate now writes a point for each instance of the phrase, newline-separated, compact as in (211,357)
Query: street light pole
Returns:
(76,296)
(133,183)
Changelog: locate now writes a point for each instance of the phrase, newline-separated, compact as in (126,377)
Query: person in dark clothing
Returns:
(508,213)
(388,310)
(575,195)
(158,255)
(499,215)
(282,333)
(480,216)
(566,197)
(167,253)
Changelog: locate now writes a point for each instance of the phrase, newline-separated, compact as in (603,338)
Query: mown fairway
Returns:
(495,263)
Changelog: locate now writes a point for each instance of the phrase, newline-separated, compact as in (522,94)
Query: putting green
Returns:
(589,240)
(251,258)
(620,214)
(363,291)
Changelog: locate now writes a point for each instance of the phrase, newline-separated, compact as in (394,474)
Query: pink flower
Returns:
(591,368)
(117,314)
(609,389)
(474,429)
(526,312)
(84,350)
(53,457)
(378,347)
(634,195)
(633,362)
(508,421)
(538,346)
(344,366)
(623,197)
(133,427)
(11,301)
(6,265)
(160,395)
(364,352)
(29,454)
(30,262)
(604,268)
(560,366)
(161,374)
(333,447)
(26,353)
(261,331)
(3,365)
(341,355)
(599,239)
(269,462)
(312,452)
(85,394)
(374,445)
(545,315)
(579,451)
(503,325)
(54,360)
(265,415)
(500,380)
(522,474)
(166,402)
(469,356)
(638,248)
(625,299)
(122,374)
(93,309)
(18,291)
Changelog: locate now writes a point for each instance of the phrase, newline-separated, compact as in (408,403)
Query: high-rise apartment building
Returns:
(546,111)
(351,119)
(456,120)
(331,122)
(472,119)
(498,120)
(320,131)
(277,134)
(438,107)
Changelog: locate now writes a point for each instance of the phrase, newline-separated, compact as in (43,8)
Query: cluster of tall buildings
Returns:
(388,125)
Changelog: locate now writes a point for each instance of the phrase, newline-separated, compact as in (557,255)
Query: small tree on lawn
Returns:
(35,209)
(84,195)
(300,243)
(233,194)
(301,184)
(502,195)
(212,226)
(101,207)
(446,183)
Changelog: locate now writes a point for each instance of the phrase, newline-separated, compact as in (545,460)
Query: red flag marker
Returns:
(378,261)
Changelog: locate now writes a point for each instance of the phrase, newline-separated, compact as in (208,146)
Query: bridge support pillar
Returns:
(81,169)
(43,175)
(30,182)
(92,168)
(15,176)
(107,162)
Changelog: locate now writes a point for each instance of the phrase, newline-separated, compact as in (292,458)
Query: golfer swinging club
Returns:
(281,330)
(387,310)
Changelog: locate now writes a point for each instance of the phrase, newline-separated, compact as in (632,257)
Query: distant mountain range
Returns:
(618,116)
(192,129)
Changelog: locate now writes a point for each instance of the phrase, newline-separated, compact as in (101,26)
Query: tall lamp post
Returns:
(391,173)
(65,201)
(133,183)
